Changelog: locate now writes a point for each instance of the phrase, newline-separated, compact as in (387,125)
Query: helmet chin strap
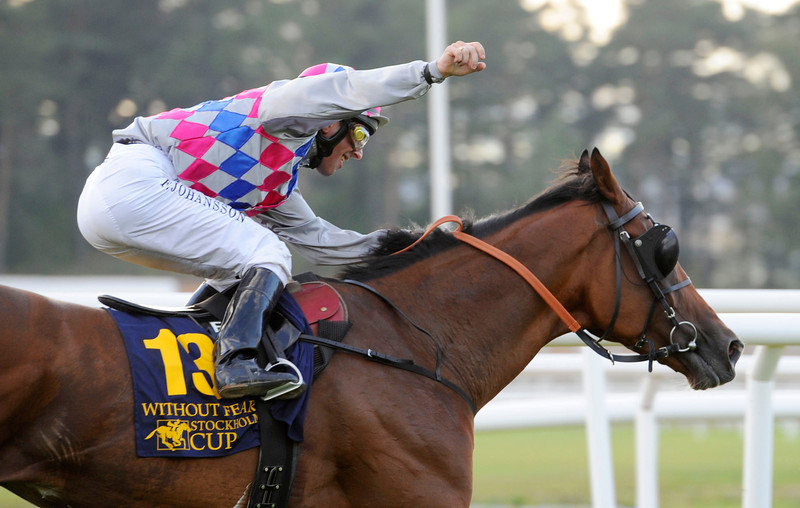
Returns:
(323,146)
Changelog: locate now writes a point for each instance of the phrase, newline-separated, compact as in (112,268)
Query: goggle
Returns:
(360,135)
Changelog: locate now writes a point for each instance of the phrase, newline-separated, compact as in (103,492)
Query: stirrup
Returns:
(286,388)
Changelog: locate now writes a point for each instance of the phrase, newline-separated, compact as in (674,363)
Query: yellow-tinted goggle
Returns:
(360,135)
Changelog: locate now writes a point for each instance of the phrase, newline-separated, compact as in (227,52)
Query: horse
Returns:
(374,436)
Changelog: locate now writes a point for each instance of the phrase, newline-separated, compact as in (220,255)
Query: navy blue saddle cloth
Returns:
(177,411)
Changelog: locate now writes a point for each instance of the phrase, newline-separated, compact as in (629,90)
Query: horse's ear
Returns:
(606,183)
(584,164)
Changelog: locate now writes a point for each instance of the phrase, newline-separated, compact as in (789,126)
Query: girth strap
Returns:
(276,464)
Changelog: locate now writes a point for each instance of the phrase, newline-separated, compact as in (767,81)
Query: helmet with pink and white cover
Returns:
(372,117)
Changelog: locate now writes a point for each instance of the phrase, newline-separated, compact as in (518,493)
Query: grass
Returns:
(699,467)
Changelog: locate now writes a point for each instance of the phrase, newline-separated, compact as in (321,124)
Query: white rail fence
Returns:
(766,320)
(767,385)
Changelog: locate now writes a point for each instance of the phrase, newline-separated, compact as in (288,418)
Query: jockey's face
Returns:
(342,152)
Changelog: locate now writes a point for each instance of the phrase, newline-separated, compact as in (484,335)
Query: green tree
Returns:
(694,110)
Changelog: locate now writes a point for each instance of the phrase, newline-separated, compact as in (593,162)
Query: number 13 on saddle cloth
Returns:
(178,412)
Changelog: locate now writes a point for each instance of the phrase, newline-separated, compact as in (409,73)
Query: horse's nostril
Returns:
(735,349)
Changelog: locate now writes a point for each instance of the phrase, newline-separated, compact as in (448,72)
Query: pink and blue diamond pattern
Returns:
(223,152)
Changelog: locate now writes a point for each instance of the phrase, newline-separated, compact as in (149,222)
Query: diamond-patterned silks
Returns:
(221,150)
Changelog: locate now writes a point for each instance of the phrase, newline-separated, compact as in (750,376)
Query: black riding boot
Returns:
(235,366)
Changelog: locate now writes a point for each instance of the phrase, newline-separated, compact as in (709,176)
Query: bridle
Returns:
(655,255)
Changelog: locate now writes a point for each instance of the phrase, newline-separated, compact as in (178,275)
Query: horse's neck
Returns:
(488,320)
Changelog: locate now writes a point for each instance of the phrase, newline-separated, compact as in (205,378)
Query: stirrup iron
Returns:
(286,388)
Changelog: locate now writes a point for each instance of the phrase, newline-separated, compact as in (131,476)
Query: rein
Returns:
(515,265)
(617,224)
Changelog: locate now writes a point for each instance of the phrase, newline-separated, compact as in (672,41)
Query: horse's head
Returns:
(601,255)
(656,309)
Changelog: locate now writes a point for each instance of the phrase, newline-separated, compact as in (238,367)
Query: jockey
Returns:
(211,191)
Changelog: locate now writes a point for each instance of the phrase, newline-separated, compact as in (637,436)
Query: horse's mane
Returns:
(575,182)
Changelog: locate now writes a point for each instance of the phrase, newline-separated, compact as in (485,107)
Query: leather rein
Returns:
(616,225)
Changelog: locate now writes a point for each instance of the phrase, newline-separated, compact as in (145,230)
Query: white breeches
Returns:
(134,208)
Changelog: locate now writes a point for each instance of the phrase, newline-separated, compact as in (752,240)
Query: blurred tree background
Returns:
(692,102)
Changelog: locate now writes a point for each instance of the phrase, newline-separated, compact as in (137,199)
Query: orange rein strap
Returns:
(512,263)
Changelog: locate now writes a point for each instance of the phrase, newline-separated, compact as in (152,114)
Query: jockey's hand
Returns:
(461,58)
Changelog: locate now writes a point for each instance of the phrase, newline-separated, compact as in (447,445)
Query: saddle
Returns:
(326,313)
(319,300)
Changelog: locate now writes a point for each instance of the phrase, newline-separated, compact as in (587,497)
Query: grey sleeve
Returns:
(314,238)
(304,105)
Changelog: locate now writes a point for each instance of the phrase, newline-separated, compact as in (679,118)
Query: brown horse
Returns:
(375,436)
